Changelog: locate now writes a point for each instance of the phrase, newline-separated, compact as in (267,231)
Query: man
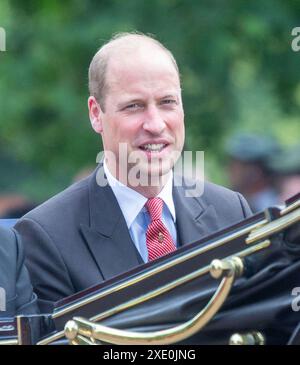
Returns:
(16,296)
(94,230)
(286,169)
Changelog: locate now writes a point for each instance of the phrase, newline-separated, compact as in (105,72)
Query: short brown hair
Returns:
(98,65)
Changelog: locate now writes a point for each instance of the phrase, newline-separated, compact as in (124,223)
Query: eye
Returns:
(133,106)
(169,102)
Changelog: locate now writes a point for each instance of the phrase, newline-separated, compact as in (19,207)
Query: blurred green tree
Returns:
(238,70)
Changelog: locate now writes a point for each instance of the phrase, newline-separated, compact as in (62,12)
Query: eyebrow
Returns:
(129,101)
(169,96)
(140,100)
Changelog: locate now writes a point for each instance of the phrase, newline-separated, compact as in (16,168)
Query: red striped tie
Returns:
(158,239)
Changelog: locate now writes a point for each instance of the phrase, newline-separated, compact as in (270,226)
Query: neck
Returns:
(149,186)
(151,191)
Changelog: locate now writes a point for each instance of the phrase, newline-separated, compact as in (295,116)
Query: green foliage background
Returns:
(238,70)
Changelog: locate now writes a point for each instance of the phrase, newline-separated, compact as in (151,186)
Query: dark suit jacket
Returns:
(14,278)
(79,237)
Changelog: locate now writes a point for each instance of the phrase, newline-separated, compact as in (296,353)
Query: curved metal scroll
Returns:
(82,331)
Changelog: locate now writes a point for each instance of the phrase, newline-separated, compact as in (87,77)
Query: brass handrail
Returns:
(82,331)
(251,338)
(274,227)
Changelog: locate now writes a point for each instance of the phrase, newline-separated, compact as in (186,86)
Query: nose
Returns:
(154,122)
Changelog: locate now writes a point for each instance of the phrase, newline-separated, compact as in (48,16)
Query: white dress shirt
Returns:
(132,205)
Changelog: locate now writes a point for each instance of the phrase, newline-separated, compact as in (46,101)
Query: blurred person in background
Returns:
(248,169)
(14,206)
(286,167)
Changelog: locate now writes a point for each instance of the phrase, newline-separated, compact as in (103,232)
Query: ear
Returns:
(95,114)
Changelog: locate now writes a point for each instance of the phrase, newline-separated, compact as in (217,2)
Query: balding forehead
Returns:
(125,70)
(132,45)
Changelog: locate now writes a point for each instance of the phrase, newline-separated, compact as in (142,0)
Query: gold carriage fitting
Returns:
(233,287)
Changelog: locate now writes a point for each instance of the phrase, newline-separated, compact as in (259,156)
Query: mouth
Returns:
(153,147)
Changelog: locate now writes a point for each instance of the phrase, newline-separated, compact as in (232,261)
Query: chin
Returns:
(149,173)
(156,172)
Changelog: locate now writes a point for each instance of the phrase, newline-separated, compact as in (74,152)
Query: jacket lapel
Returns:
(194,218)
(107,234)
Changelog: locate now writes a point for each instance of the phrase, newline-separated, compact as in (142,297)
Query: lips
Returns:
(153,147)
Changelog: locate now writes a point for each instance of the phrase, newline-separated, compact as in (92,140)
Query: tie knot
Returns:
(155,207)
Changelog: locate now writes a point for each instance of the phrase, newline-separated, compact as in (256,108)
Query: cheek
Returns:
(178,124)
(178,116)
(110,135)
(129,128)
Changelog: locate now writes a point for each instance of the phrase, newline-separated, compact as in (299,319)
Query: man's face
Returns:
(143,109)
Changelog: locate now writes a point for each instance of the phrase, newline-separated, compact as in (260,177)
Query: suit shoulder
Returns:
(208,193)
(69,200)
(225,200)
(211,189)
(217,195)
(205,189)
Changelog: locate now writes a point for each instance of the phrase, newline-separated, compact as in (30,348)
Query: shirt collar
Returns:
(131,202)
